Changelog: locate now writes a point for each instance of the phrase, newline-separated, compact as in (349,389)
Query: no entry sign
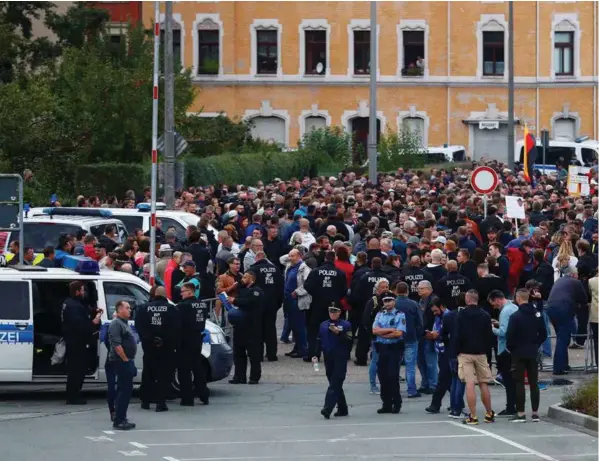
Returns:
(484,180)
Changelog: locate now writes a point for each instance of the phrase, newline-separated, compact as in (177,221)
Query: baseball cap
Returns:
(189,264)
(440,239)
(333,308)
(413,239)
(165,247)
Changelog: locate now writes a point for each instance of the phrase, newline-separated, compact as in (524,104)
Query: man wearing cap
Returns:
(389,327)
(334,339)
(190,276)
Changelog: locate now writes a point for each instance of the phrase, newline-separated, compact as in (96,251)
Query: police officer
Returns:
(389,327)
(364,291)
(327,285)
(334,339)
(247,333)
(413,274)
(449,287)
(270,280)
(79,324)
(193,314)
(158,325)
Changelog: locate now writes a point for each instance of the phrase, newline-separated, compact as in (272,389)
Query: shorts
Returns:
(473,368)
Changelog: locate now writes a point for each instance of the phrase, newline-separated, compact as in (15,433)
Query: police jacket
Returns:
(193,315)
(450,286)
(474,334)
(567,293)
(436,271)
(157,323)
(365,287)
(270,280)
(77,324)
(250,300)
(410,309)
(526,332)
(326,284)
(274,249)
(359,271)
(201,256)
(394,273)
(413,276)
(332,343)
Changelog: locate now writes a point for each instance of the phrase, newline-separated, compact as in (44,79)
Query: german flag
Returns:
(530,154)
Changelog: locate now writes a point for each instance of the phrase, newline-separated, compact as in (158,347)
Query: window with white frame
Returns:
(361,52)
(563,53)
(413,52)
(266,47)
(314,122)
(564,129)
(492,35)
(208,49)
(565,40)
(414,126)
(270,129)
(314,47)
(176,45)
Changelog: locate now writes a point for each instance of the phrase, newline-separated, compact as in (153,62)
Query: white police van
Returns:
(30,321)
(580,152)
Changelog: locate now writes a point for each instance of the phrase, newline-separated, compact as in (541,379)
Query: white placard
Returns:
(514,207)
(488,125)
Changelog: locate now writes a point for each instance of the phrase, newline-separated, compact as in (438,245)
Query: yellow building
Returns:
(441,68)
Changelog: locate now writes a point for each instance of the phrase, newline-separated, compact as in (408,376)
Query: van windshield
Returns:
(40,235)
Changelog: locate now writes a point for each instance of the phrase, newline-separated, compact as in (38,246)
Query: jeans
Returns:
(427,364)
(547,343)
(286,328)
(563,324)
(297,322)
(111,384)
(410,358)
(444,382)
(504,364)
(374,361)
(582,321)
(125,372)
(528,365)
(457,388)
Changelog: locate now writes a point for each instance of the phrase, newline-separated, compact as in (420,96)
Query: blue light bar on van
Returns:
(81,264)
(72,211)
(147,207)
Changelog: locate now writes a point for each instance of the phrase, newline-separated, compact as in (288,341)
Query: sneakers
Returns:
(384,410)
(490,417)
(470,420)
(518,419)
(415,396)
(455,414)
(506,413)
(124,426)
(543,386)
(535,418)
(326,413)
(341,413)
(432,410)
(375,391)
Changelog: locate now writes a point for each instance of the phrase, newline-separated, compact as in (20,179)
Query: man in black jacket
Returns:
(327,286)
(333,221)
(473,338)
(490,221)
(450,286)
(525,334)
(413,274)
(466,266)
(157,324)
(78,327)
(543,273)
(248,334)
(270,280)
(274,247)
(199,252)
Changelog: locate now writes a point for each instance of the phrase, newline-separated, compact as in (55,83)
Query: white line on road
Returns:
(102,438)
(377,456)
(109,432)
(260,442)
(505,440)
(299,426)
(170,458)
(138,445)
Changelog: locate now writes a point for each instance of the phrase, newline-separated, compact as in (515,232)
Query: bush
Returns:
(111,178)
(247,168)
(583,399)
(403,149)
(331,147)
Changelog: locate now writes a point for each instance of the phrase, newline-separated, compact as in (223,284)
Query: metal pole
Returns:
(154,142)
(372,131)
(21,223)
(510,108)
(485,198)
(169,109)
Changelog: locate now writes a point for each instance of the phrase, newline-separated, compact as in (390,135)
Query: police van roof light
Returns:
(147,207)
(72,211)
(81,264)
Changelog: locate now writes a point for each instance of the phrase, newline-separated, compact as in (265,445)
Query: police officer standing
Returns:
(270,280)
(78,326)
(334,340)
(247,333)
(413,274)
(158,325)
(327,285)
(389,327)
(449,287)
(193,314)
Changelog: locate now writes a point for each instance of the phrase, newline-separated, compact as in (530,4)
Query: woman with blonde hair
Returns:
(564,258)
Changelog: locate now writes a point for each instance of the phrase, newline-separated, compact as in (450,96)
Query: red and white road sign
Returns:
(484,180)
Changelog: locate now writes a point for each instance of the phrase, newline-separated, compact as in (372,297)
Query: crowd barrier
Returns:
(590,361)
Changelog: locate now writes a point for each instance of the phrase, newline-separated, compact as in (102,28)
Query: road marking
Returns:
(505,440)
(336,455)
(102,438)
(550,436)
(170,458)
(132,453)
(109,432)
(366,439)
(138,445)
(300,426)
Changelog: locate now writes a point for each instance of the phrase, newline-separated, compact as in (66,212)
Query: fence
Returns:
(590,360)
(219,316)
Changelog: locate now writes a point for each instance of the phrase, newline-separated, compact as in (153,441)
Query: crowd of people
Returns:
(405,271)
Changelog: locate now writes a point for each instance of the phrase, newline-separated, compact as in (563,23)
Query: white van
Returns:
(30,321)
(580,152)
(438,154)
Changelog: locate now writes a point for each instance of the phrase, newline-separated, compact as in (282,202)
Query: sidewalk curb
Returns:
(564,415)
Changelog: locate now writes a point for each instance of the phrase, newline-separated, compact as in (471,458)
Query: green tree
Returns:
(214,135)
(330,146)
(400,149)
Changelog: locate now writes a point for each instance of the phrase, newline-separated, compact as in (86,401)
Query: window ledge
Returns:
(208,75)
(565,77)
(493,77)
(316,76)
(361,75)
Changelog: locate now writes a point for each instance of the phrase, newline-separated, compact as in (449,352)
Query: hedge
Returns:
(248,168)
(111,178)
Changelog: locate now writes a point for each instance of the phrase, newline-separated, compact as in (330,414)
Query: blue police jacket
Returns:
(332,343)
(410,309)
(389,319)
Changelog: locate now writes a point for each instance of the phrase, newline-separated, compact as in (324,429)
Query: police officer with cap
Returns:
(158,325)
(334,339)
(247,333)
(327,285)
(193,314)
(389,327)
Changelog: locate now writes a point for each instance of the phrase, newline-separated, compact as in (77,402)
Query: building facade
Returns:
(441,67)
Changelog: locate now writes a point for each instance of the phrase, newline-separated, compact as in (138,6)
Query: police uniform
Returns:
(327,285)
(158,325)
(77,330)
(335,348)
(270,280)
(389,350)
(413,276)
(449,288)
(247,335)
(193,314)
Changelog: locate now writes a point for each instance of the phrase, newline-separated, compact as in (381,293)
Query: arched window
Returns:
(315,123)
(415,125)
(270,129)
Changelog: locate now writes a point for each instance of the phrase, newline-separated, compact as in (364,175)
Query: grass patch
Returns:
(582,399)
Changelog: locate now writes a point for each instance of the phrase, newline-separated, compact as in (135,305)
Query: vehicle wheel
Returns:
(175,390)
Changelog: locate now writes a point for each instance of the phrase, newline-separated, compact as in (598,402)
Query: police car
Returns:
(580,152)
(30,321)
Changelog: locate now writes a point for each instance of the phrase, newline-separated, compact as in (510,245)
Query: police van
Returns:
(30,321)
(580,152)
